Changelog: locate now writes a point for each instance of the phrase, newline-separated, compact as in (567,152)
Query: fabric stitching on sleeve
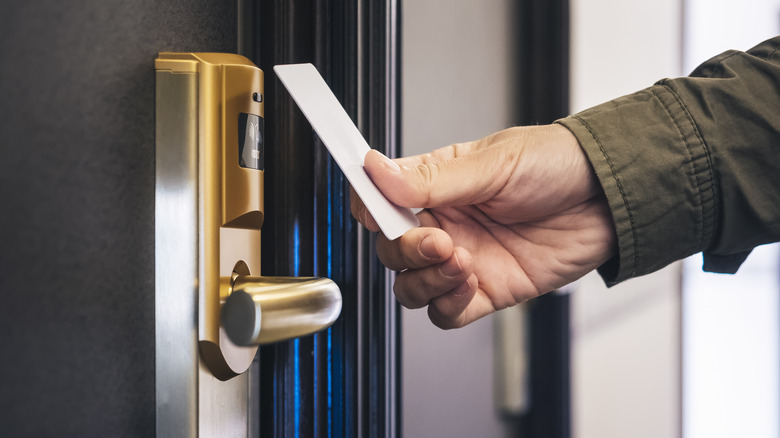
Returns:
(705,242)
(690,161)
(622,194)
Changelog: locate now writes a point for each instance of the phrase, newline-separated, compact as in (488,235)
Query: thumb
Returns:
(423,182)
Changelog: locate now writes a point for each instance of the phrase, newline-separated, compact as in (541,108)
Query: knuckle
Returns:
(441,319)
(427,175)
(408,260)
(386,259)
(409,252)
(406,295)
(387,252)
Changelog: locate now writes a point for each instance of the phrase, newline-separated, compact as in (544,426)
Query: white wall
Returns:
(731,329)
(626,340)
(456,85)
(740,25)
(621,46)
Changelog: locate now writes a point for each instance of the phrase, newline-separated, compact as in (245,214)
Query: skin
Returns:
(507,218)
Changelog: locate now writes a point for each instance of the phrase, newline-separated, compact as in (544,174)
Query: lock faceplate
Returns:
(210,163)
(224,131)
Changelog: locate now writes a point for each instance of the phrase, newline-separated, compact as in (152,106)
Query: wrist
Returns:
(580,166)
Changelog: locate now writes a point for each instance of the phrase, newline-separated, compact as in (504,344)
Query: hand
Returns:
(507,218)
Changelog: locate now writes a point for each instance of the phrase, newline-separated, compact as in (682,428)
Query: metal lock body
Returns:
(210,129)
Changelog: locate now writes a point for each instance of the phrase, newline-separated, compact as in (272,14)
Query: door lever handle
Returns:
(261,310)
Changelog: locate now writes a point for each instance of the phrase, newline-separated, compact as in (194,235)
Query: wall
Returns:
(626,341)
(77,215)
(456,83)
(731,329)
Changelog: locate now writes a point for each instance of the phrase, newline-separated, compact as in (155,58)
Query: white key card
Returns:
(344,142)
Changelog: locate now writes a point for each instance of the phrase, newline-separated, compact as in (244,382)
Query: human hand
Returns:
(507,218)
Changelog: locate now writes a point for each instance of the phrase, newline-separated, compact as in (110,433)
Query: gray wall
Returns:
(457,86)
(77,207)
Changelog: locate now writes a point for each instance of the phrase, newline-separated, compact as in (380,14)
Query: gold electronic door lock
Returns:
(210,164)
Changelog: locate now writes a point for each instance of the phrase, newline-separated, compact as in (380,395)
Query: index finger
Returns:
(415,249)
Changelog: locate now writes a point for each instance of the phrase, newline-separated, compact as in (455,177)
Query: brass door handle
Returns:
(261,310)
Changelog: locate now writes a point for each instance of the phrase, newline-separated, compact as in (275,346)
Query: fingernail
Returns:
(428,247)
(452,267)
(389,164)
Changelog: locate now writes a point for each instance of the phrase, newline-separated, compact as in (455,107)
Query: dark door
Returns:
(542,97)
(77,207)
(77,217)
(341,382)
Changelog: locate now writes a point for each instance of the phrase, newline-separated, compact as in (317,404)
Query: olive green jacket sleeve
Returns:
(691,164)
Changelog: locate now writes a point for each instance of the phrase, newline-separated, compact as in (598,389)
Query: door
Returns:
(341,382)
(77,184)
(77,216)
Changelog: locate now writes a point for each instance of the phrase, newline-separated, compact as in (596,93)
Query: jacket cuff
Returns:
(656,173)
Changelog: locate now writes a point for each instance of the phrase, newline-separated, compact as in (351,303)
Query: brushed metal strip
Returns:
(176,254)
(511,353)
(223,406)
(253,398)
(392,341)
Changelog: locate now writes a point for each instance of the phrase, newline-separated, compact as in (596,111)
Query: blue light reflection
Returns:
(296,342)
